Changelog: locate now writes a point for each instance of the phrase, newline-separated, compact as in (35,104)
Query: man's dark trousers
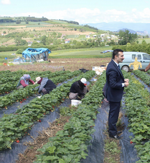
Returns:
(113,117)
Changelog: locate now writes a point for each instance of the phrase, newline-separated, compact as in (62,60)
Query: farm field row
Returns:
(143,76)
(70,144)
(5,88)
(138,111)
(14,126)
(19,95)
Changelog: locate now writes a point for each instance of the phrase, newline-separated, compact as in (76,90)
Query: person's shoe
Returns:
(115,136)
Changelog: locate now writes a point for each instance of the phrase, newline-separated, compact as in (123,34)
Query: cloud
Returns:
(86,15)
(6,2)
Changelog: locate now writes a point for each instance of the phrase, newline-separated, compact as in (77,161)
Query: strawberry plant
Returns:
(14,126)
(138,112)
(143,76)
(70,144)
(19,95)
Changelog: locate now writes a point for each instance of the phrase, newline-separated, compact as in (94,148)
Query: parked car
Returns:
(106,51)
(129,57)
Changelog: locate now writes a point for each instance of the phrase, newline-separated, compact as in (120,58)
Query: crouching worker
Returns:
(78,89)
(45,86)
(24,81)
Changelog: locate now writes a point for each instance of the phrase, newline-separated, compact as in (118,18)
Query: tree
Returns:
(43,40)
(19,41)
(126,37)
(4,32)
(18,21)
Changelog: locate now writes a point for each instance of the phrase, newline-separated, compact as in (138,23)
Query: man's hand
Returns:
(126,80)
(126,84)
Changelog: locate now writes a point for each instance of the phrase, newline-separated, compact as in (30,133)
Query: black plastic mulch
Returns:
(10,156)
(96,147)
(128,151)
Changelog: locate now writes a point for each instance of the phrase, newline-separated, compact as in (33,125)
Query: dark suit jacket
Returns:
(114,80)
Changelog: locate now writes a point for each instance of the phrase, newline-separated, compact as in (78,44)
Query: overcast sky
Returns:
(83,11)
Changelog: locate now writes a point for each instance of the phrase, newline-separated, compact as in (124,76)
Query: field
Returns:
(48,129)
(37,29)
(53,130)
(58,64)
(64,54)
(146,39)
(81,53)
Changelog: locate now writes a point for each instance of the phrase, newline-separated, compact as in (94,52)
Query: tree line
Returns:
(72,22)
(91,27)
(6,21)
(143,47)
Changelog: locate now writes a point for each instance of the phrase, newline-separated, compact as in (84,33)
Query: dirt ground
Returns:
(30,153)
(112,155)
(58,64)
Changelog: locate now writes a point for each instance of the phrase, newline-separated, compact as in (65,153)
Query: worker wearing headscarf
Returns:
(78,89)
(24,81)
(46,85)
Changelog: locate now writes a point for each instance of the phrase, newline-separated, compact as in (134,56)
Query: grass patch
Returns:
(81,53)
(146,39)
(8,55)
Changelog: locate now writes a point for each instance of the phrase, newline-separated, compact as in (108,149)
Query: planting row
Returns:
(19,95)
(137,103)
(14,126)
(9,86)
(148,71)
(70,144)
(143,76)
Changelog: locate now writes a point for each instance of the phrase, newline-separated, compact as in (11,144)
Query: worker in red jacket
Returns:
(24,81)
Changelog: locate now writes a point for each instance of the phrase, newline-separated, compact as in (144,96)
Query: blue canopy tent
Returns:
(35,54)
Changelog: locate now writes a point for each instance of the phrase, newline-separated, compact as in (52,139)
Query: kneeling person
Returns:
(24,81)
(45,86)
(78,89)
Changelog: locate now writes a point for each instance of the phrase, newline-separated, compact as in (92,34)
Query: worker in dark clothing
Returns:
(45,86)
(24,81)
(78,89)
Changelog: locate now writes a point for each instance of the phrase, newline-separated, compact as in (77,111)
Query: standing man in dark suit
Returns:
(115,84)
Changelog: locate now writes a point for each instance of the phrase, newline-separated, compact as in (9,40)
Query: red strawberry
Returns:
(17,141)
(131,142)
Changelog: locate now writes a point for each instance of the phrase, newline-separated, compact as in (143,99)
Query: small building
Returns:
(67,41)
(38,41)
(87,36)
(102,35)
(30,43)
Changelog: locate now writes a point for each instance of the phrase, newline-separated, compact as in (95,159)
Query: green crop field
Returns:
(146,39)
(9,56)
(82,53)
(69,53)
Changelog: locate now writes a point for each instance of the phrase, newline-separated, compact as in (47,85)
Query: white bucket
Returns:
(75,102)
